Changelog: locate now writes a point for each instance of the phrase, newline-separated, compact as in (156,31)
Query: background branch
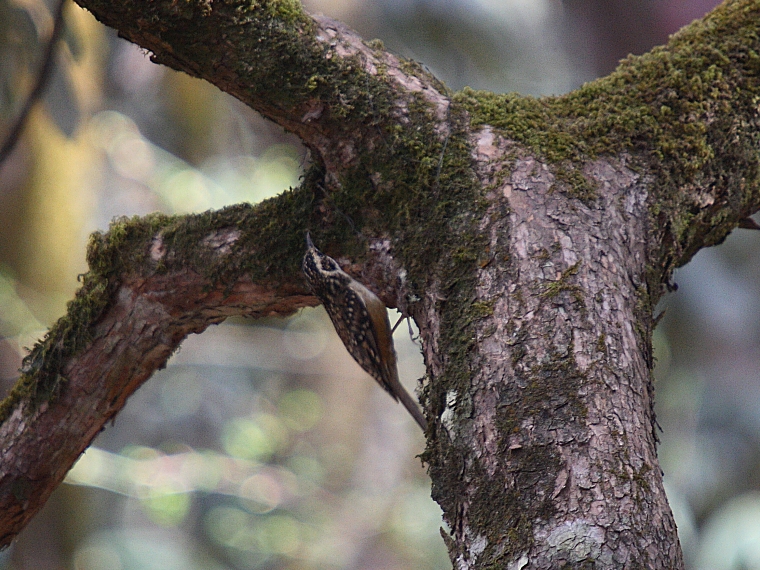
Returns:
(46,70)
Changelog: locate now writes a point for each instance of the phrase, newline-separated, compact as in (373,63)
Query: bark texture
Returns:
(529,238)
(558,422)
(146,319)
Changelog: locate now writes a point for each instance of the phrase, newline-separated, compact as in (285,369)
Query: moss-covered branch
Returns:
(152,281)
(313,76)
(685,115)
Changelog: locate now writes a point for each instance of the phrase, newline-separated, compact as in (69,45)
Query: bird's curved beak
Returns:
(309,243)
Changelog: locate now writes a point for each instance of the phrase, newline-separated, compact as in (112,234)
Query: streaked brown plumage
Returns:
(361,321)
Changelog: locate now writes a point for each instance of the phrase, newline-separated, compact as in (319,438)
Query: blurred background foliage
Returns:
(262,444)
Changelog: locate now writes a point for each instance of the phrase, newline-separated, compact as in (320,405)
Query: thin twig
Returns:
(42,78)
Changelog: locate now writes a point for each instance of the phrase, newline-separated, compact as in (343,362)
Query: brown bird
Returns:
(361,320)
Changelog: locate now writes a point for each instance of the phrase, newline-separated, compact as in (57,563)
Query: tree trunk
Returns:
(529,238)
(552,431)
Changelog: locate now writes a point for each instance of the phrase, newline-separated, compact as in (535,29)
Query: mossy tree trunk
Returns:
(529,238)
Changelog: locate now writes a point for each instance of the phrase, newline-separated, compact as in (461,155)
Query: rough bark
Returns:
(559,411)
(146,319)
(530,240)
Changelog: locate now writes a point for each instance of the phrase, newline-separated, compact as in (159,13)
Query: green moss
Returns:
(108,255)
(548,393)
(555,288)
(532,122)
(428,195)
(683,112)
(418,186)
(517,507)
(433,198)
(288,11)
(483,309)
(125,250)
(601,343)
(641,478)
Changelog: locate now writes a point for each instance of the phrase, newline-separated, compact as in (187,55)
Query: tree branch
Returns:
(312,75)
(120,329)
(684,114)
